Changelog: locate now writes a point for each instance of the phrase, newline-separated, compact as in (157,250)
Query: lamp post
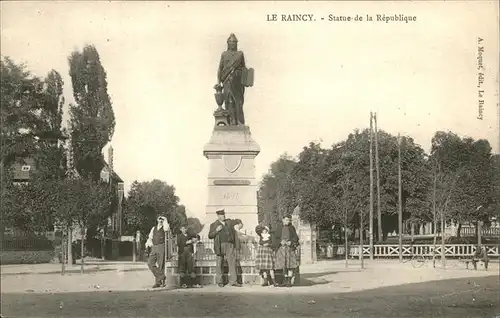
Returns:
(371,186)
(400,204)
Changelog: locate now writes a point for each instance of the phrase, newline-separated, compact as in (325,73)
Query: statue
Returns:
(232,76)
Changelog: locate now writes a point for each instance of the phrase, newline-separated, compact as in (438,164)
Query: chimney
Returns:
(110,161)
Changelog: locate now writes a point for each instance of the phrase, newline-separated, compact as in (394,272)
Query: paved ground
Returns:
(384,289)
(30,269)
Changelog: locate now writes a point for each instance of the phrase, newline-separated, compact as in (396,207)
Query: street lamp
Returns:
(400,204)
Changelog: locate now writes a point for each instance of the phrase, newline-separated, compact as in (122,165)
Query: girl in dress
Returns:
(264,261)
(285,242)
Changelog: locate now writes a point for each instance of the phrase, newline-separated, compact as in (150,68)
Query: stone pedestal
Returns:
(231,181)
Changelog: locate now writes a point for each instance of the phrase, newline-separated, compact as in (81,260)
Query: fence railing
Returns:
(204,249)
(486,232)
(450,250)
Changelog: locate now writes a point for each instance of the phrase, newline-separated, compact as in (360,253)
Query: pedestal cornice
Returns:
(235,140)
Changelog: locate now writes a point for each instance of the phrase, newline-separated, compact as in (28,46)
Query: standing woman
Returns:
(285,242)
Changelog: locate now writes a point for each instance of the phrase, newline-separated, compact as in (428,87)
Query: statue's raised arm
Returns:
(232,78)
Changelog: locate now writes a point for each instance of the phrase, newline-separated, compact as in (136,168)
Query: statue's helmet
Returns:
(232,38)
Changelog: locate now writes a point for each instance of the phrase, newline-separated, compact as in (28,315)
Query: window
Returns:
(25,168)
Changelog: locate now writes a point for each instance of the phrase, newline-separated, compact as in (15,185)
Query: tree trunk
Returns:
(479,232)
(434,219)
(346,245)
(81,248)
(70,246)
(459,229)
(476,229)
(63,251)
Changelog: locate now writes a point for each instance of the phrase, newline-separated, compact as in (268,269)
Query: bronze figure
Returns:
(233,76)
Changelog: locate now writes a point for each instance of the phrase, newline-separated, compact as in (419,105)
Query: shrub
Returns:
(26,243)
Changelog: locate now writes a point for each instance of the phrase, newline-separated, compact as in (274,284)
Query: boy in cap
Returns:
(156,241)
(185,249)
(224,236)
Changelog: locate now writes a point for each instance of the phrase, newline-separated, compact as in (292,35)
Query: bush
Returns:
(26,257)
(26,243)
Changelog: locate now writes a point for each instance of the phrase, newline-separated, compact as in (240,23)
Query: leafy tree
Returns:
(328,183)
(495,188)
(310,191)
(50,156)
(20,103)
(194,225)
(415,177)
(275,195)
(178,218)
(31,114)
(16,207)
(147,200)
(92,117)
(464,178)
(349,176)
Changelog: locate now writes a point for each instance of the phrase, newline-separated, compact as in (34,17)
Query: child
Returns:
(285,243)
(264,261)
(185,249)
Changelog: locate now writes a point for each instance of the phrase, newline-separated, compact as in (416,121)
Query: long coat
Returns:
(213,234)
(276,237)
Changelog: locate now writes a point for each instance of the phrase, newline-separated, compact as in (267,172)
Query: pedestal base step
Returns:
(206,273)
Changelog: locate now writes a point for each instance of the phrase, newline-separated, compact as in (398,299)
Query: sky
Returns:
(314,80)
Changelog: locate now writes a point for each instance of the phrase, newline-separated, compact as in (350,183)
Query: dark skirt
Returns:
(186,263)
(264,259)
(286,258)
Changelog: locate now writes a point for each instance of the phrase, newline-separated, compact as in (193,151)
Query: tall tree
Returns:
(20,102)
(312,188)
(92,117)
(464,178)
(50,156)
(31,114)
(276,191)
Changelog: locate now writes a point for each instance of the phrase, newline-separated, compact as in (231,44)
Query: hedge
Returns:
(26,243)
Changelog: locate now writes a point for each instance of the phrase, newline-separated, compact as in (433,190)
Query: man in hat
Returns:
(156,241)
(224,236)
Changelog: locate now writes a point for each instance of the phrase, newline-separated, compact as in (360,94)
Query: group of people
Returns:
(277,250)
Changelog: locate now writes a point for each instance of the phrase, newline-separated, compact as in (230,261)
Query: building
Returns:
(115,224)
(23,171)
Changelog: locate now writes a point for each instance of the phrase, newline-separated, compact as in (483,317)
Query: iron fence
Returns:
(204,249)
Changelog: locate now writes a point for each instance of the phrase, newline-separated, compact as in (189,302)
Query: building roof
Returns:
(24,169)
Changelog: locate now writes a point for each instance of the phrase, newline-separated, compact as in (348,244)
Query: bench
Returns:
(474,262)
